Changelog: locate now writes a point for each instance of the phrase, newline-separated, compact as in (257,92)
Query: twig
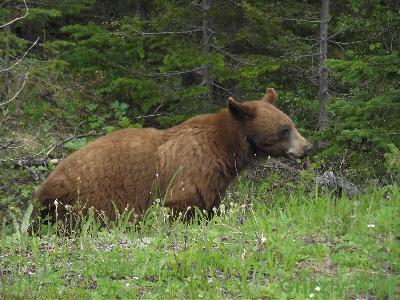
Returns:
(356,42)
(158,107)
(170,32)
(300,20)
(224,89)
(21,58)
(19,91)
(141,33)
(231,56)
(149,116)
(5,146)
(11,144)
(174,73)
(18,18)
(223,4)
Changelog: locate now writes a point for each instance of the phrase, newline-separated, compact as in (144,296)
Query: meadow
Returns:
(283,245)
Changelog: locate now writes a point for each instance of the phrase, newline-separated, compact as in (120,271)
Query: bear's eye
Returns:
(283,132)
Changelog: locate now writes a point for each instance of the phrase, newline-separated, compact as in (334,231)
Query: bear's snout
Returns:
(299,147)
(308,149)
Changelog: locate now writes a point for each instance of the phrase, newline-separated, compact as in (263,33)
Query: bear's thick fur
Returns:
(191,164)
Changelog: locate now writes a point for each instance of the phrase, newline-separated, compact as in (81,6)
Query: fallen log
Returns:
(29,162)
(327,179)
(340,184)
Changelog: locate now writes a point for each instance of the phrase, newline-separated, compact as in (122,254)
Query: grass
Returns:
(288,245)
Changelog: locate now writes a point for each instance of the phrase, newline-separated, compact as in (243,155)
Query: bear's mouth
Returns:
(294,157)
(264,150)
(268,149)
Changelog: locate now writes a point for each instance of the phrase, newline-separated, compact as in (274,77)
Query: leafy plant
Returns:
(75,144)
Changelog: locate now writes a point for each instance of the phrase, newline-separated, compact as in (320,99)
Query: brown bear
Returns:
(190,164)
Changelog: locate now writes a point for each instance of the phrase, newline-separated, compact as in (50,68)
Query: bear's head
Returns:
(268,129)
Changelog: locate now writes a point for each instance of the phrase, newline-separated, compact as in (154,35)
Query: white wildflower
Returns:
(222,209)
(312,295)
(317,288)
(263,238)
(371,225)
(244,254)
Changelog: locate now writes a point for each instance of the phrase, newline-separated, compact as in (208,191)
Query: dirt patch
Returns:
(325,266)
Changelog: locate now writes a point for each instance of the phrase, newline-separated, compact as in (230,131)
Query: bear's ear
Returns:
(240,111)
(270,96)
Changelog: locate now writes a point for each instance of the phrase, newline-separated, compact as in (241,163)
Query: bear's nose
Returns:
(307,149)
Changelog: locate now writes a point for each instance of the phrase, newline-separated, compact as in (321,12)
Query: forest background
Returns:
(70,70)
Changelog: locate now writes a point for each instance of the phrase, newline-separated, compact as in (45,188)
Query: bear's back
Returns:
(106,171)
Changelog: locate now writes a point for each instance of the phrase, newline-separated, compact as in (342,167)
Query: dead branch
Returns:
(29,162)
(19,91)
(141,33)
(355,42)
(232,56)
(56,146)
(8,145)
(17,18)
(21,58)
(173,73)
(224,89)
(300,20)
(169,32)
(149,116)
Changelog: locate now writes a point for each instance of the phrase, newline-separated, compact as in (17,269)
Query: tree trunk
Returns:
(207,25)
(6,77)
(323,72)
(139,9)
